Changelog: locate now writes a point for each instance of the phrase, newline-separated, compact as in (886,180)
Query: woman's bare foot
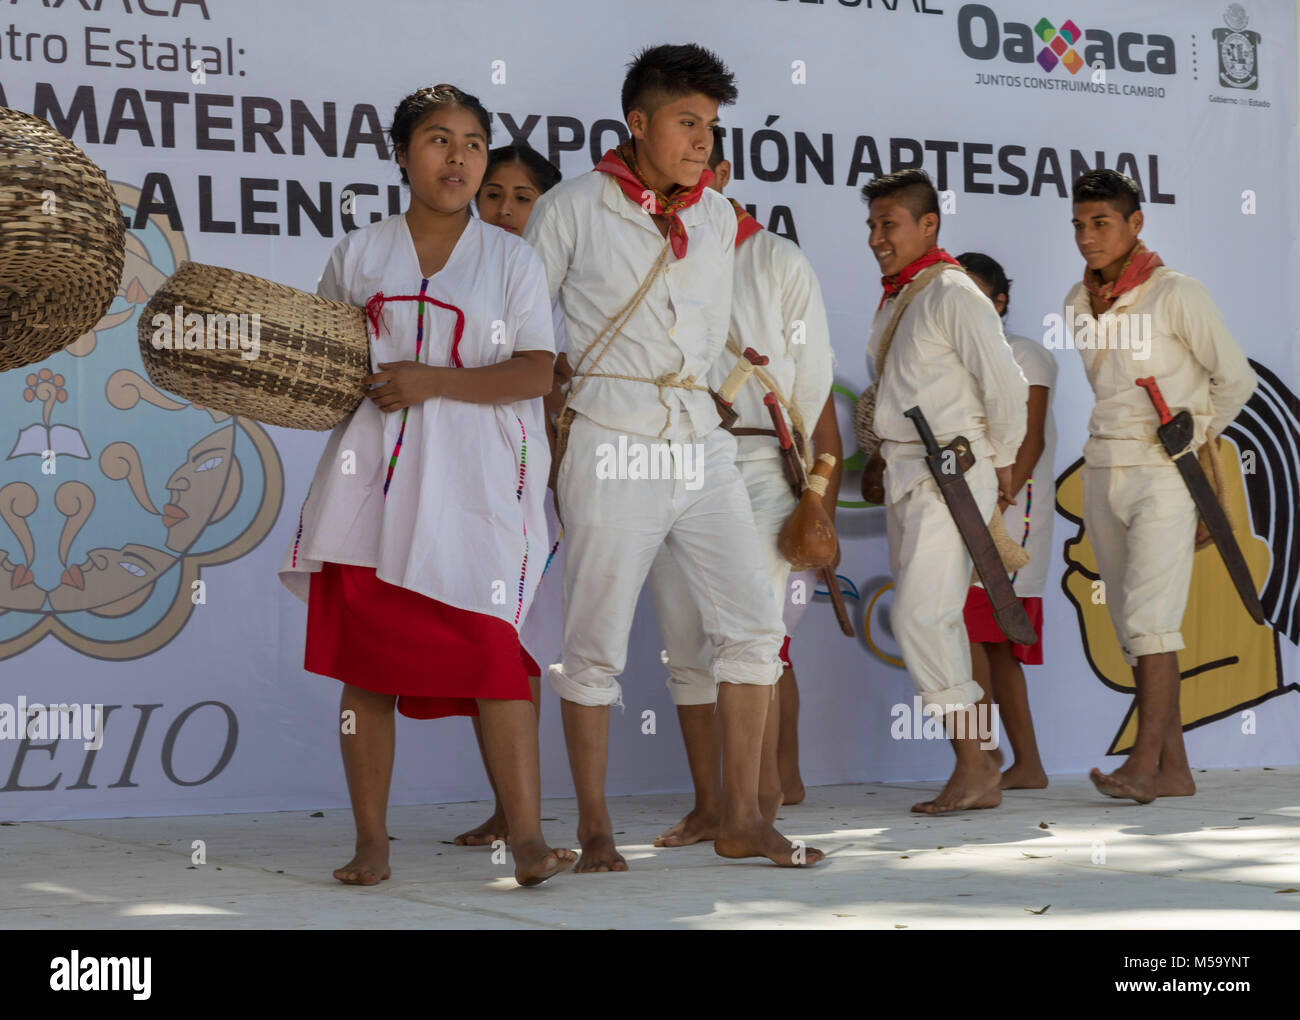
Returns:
(369,865)
(792,792)
(1024,777)
(486,834)
(1175,783)
(759,839)
(599,854)
(535,862)
(697,827)
(1126,783)
(968,788)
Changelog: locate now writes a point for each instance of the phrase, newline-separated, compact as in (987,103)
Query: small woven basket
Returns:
(311,354)
(864,422)
(62,241)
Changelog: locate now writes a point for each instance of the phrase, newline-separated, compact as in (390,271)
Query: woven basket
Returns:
(62,241)
(312,354)
(864,422)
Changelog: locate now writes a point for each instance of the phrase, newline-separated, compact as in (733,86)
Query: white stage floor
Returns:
(1228,858)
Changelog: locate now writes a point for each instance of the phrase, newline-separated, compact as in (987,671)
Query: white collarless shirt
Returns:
(598,246)
(1188,349)
(950,359)
(777,309)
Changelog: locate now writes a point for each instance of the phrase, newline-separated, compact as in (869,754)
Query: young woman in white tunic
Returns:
(423,535)
(997,663)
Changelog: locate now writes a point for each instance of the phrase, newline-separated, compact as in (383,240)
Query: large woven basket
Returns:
(312,354)
(62,241)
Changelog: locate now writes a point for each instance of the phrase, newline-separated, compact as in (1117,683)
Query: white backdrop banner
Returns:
(138,564)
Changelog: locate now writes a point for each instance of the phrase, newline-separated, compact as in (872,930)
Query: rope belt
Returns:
(669,380)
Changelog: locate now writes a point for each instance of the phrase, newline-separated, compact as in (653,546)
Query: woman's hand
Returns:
(399,384)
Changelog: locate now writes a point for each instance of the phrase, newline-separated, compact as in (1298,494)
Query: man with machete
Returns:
(939,357)
(1139,505)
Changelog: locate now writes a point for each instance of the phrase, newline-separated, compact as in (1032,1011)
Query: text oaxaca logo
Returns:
(1238,50)
(1050,44)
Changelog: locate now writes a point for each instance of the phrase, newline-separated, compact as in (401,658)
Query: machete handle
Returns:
(1153,391)
(754,358)
(923,427)
(778,421)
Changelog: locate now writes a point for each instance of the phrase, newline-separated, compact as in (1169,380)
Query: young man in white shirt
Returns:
(776,309)
(1137,510)
(949,358)
(641,253)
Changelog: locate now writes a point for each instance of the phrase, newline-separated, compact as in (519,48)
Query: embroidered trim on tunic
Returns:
(374,312)
(519,495)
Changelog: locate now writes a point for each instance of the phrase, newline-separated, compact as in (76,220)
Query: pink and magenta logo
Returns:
(1059,45)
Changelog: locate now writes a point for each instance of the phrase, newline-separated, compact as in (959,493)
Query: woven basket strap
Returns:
(900,305)
(614,326)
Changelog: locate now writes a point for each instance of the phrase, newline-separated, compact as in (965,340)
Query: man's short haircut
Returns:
(659,74)
(716,156)
(911,187)
(990,270)
(1123,193)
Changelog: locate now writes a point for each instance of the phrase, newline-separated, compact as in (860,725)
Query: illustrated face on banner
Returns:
(673,144)
(76,540)
(1230,663)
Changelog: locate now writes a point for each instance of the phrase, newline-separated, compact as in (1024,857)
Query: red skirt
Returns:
(436,658)
(981,626)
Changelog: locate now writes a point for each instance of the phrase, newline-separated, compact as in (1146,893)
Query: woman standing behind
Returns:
(997,662)
(516,176)
(423,536)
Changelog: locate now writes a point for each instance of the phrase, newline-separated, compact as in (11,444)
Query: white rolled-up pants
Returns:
(1141,521)
(690,650)
(932,572)
(613,529)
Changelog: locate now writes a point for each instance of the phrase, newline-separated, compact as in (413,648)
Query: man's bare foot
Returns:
(968,788)
(486,834)
(792,792)
(369,865)
(696,827)
(759,839)
(1175,783)
(1024,777)
(599,854)
(535,862)
(1126,783)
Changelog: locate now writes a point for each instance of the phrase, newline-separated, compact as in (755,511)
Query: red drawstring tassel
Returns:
(375,313)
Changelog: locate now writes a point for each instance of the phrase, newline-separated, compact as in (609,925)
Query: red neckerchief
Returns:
(893,284)
(620,163)
(746,225)
(1139,265)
